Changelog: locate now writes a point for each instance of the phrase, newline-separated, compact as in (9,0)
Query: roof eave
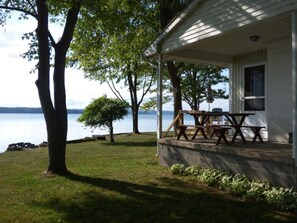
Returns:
(154,48)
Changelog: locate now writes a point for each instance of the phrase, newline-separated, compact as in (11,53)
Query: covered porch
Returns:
(253,39)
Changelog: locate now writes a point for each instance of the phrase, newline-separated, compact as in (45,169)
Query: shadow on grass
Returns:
(119,201)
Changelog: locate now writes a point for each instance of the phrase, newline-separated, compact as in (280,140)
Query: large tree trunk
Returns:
(55,115)
(176,86)
(167,12)
(134,100)
(135,112)
(57,128)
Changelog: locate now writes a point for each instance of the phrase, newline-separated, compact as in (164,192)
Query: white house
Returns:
(257,41)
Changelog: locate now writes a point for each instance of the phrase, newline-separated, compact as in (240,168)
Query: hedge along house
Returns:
(257,41)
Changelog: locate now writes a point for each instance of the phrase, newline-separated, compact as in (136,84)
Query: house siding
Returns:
(279,90)
(215,17)
(237,88)
(277,59)
(236,76)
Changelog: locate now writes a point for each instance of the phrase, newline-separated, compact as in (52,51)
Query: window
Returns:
(254,88)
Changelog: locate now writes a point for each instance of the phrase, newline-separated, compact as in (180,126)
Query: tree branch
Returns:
(70,24)
(19,10)
(53,42)
(114,90)
(146,91)
(32,7)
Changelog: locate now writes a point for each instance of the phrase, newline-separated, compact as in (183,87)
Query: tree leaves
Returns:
(103,111)
(198,83)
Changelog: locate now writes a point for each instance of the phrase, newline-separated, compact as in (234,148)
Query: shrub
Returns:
(239,184)
(226,181)
(178,169)
(193,170)
(210,176)
(256,190)
(285,198)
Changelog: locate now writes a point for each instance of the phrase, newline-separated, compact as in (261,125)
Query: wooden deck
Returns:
(269,161)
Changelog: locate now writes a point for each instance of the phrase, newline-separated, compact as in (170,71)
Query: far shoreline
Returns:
(32,110)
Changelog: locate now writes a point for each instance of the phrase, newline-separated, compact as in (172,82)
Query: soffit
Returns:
(232,43)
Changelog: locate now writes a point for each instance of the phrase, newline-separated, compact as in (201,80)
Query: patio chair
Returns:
(217,119)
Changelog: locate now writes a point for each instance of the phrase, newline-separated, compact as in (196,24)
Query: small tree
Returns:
(196,84)
(102,112)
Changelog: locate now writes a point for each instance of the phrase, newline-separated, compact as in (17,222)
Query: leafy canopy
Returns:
(198,81)
(103,111)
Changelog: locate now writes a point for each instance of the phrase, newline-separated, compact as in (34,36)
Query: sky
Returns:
(17,84)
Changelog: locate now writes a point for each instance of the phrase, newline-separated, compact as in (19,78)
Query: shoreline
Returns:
(23,146)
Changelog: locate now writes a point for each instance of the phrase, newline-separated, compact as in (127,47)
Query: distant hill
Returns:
(32,110)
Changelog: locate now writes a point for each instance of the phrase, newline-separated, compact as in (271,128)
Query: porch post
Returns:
(231,96)
(294,83)
(159,96)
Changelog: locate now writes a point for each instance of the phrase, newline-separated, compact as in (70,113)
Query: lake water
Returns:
(31,127)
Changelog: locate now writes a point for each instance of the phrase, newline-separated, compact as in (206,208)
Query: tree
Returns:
(111,51)
(168,9)
(55,111)
(102,112)
(196,82)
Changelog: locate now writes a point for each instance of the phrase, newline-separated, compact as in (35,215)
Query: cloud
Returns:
(17,85)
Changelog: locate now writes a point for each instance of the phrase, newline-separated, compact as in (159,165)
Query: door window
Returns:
(254,88)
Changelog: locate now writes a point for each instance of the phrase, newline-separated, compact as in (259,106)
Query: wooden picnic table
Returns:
(236,120)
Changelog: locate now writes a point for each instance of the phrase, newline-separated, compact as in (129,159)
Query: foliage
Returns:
(257,190)
(239,184)
(226,181)
(195,80)
(284,198)
(193,170)
(110,51)
(178,169)
(210,176)
(102,112)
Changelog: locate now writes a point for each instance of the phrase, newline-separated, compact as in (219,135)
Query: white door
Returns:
(254,96)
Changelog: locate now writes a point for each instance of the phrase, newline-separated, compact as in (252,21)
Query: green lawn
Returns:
(119,182)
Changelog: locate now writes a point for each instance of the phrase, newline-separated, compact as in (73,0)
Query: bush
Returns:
(193,170)
(178,169)
(257,190)
(240,185)
(226,181)
(211,177)
(285,198)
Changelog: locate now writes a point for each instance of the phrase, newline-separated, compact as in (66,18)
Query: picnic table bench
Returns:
(256,130)
(182,131)
(220,132)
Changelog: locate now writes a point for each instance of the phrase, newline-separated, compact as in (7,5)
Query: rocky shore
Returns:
(20,146)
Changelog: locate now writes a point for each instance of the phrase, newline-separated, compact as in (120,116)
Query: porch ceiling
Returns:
(219,50)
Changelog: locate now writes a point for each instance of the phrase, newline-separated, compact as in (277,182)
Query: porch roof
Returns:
(213,32)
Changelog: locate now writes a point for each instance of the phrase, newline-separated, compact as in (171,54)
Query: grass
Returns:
(119,182)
